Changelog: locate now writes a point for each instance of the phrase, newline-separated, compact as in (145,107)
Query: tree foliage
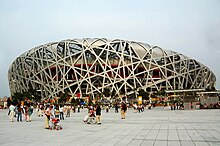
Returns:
(144,94)
(63,98)
(31,94)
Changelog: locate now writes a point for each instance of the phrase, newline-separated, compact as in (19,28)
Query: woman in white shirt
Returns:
(61,113)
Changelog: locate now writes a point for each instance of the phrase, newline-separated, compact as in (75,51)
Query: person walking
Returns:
(12,112)
(57,112)
(78,108)
(26,112)
(47,113)
(107,108)
(61,112)
(68,111)
(116,107)
(20,112)
(123,108)
(98,114)
(29,113)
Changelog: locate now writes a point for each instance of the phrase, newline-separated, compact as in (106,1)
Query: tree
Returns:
(35,95)
(17,97)
(63,97)
(106,92)
(161,93)
(144,94)
(32,94)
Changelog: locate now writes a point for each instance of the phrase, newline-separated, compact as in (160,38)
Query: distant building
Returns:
(94,66)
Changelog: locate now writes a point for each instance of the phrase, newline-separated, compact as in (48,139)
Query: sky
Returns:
(190,27)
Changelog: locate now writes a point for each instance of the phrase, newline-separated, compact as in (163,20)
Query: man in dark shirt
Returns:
(98,114)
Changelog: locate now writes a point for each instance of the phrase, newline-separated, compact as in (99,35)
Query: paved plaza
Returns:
(156,127)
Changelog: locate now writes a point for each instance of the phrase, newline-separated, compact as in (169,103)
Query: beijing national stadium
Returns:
(93,66)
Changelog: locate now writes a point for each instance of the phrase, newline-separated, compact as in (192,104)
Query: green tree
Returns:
(160,93)
(106,92)
(144,94)
(73,101)
(63,97)
(32,94)
(17,97)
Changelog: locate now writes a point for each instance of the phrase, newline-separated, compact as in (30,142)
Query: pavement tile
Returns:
(162,135)
(160,143)
(136,142)
(194,135)
(187,143)
(147,143)
(173,135)
(152,134)
(201,143)
(180,126)
(183,135)
(214,143)
(164,126)
(174,143)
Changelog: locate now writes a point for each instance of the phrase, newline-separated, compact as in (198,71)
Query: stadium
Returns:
(92,67)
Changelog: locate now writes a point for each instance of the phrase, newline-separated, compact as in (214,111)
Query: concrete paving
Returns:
(157,127)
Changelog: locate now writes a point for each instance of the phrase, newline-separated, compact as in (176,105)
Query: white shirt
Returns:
(12,108)
(61,109)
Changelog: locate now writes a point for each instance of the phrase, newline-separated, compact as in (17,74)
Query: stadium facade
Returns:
(94,66)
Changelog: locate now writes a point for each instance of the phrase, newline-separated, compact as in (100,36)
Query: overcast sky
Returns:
(190,27)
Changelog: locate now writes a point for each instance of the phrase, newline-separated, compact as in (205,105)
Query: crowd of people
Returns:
(60,112)
(16,112)
(54,111)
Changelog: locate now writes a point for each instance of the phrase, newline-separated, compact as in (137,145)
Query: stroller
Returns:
(55,124)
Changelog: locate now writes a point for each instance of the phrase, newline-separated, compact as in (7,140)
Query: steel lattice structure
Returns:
(89,66)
